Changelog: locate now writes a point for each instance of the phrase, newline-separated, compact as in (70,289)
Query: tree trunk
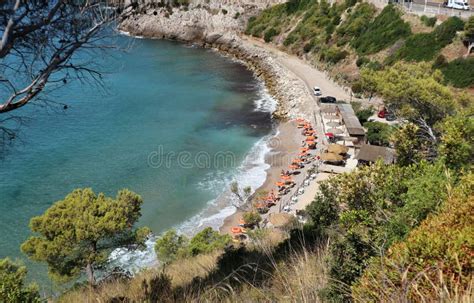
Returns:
(90,274)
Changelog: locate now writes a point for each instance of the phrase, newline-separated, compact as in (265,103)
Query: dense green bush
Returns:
(460,72)
(425,46)
(428,21)
(333,55)
(269,34)
(356,23)
(364,114)
(12,284)
(436,255)
(378,133)
(387,28)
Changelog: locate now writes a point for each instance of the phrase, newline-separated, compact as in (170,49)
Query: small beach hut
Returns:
(331,157)
(337,149)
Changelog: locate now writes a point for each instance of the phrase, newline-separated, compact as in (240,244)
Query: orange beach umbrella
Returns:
(280,184)
(285,177)
(236,230)
(294,167)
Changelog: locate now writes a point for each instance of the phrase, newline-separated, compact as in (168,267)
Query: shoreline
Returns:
(287,78)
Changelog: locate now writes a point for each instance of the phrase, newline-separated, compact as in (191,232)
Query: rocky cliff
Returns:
(218,24)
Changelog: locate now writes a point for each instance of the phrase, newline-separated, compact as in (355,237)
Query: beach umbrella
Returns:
(293,166)
(330,135)
(302,154)
(310,142)
(280,184)
(337,149)
(236,230)
(307,126)
(335,131)
(333,124)
(331,157)
(303,149)
(285,177)
(297,161)
(310,138)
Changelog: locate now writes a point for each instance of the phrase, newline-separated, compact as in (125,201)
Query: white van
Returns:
(457,4)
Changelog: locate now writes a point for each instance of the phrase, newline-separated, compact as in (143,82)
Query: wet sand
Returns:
(284,148)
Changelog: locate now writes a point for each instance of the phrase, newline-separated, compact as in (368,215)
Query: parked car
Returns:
(327,99)
(381,114)
(390,116)
(317,91)
(457,4)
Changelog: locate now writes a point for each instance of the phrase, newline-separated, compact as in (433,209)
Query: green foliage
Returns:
(436,255)
(170,246)
(459,72)
(378,133)
(428,21)
(12,284)
(333,55)
(469,28)
(364,114)
(408,144)
(365,211)
(80,231)
(425,46)
(387,28)
(207,241)
(413,91)
(356,23)
(457,141)
(269,34)
(252,218)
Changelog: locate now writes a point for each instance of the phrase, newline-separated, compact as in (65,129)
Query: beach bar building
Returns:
(369,154)
(353,126)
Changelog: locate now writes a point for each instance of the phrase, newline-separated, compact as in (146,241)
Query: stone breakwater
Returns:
(206,28)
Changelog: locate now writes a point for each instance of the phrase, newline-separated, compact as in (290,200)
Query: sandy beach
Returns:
(285,145)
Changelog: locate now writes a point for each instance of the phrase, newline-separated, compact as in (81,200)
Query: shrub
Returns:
(252,218)
(207,241)
(356,23)
(362,61)
(333,55)
(432,265)
(364,114)
(12,284)
(385,30)
(440,62)
(460,72)
(224,11)
(428,21)
(237,15)
(269,34)
(170,246)
(378,133)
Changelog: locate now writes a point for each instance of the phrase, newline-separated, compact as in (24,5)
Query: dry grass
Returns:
(298,277)
(454,50)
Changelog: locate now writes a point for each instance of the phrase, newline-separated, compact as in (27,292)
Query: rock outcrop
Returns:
(219,24)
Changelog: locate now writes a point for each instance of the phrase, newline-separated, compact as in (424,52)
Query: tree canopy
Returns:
(79,232)
(170,246)
(12,284)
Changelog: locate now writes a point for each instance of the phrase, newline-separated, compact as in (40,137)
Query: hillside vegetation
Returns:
(350,31)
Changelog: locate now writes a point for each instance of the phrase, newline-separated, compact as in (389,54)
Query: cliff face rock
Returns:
(218,24)
(200,20)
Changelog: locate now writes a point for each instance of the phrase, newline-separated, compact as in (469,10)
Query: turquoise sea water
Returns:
(162,98)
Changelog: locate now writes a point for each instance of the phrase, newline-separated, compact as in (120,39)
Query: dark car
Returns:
(390,116)
(327,99)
